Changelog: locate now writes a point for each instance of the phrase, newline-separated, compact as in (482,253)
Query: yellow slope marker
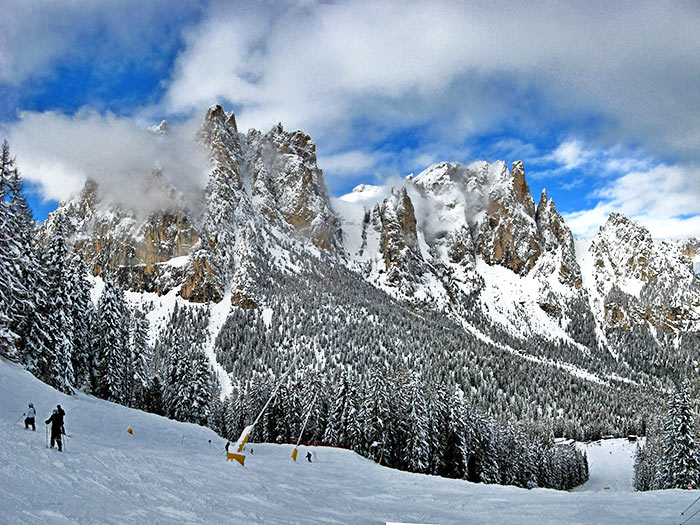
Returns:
(238,457)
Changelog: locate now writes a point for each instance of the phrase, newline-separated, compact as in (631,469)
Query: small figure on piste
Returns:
(29,420)
(308,457)
(56,426)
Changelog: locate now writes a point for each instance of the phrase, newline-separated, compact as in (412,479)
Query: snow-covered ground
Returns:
(166,472)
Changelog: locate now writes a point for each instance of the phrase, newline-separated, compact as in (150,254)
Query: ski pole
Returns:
(690,517)
(20,417)
(46,427)
(693,503)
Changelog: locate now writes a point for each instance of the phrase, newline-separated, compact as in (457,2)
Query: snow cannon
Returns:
(245,435)
(230,456)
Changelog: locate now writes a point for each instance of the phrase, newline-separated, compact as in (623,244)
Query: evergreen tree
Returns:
(84,321)
(17,259)
(680,467)
(201,389)
(112,343)
(153,397)
(458,439)
(136,377)
(49,346)
(415,432)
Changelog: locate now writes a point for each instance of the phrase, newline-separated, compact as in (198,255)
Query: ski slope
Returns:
(156,476)
(612,465)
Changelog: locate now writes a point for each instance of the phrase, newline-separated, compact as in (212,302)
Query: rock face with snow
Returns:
(637,280)
(261,186)
(555,238)
(118,240)
(493,202)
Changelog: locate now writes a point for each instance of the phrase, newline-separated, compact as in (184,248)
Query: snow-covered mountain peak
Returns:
(637,280)
(362,192)
(162,129)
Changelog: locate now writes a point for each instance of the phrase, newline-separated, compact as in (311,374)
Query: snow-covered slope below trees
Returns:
(167,472)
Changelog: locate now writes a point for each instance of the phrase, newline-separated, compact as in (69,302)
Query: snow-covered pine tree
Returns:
(49,349)
(22,238)
(84,318)
(8,338)
(16,259)
(354,428)
(680,465)
(438,410)
(458,443)
(38,347)
(375,411)
(201,389)
(137,380)
(416,448)
(336,428)
(216,419)
(174,383)
(648,458)
(153,397)
(112,342)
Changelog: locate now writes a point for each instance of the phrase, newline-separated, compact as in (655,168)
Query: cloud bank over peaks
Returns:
(326,66)
(58,153)
(663,198)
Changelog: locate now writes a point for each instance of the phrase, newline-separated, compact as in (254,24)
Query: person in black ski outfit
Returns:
(62,414)
(308,457)
(29,421)
(56,421)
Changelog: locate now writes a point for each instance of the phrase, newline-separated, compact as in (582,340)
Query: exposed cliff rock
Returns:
(555,238)
(638,280)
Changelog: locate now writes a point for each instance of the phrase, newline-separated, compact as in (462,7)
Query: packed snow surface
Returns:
(167,472)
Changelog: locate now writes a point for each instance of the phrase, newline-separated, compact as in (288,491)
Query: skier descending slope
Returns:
(56,426)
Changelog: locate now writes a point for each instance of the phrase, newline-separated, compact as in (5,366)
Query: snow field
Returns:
(154,476)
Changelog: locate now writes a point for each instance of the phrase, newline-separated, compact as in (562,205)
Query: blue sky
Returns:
(599,100)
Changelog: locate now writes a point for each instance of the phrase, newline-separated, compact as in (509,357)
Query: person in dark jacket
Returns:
(29,420)
(61,414)
(56,425)
(308,457)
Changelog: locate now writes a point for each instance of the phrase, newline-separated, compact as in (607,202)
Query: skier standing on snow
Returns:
(228,444)
(308,457)
(56,425)
(61,414)
(29,420)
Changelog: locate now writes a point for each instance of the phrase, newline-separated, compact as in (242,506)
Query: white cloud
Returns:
(321,66)
(663,198)
(585,223)
(58,153)
(35,35)
(570,154)
(349,162)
